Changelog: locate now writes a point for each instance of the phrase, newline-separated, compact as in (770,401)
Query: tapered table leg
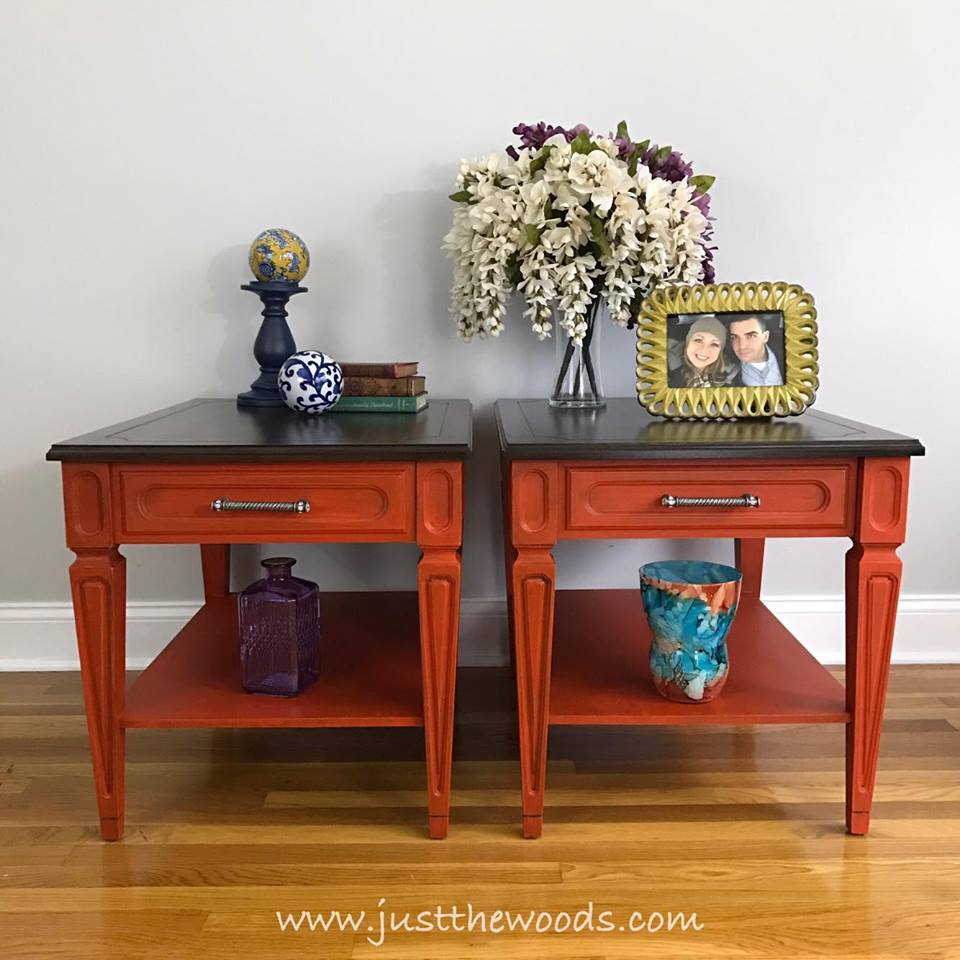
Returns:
(98,586)
(534,584)
(440,535)
(534,493)
(872,590)
(215,559)
(438,575)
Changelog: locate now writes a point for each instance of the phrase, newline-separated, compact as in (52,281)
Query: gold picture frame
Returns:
(800,379)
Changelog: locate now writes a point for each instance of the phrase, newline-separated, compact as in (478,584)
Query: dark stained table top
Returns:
(533,430)
(210,430)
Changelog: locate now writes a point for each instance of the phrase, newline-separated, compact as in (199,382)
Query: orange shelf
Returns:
(369,671)
(601,673)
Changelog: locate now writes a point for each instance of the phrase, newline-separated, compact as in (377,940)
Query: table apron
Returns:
(172,503)
(624,499)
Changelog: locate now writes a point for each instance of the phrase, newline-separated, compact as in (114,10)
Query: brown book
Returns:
(383,386)
(392,371)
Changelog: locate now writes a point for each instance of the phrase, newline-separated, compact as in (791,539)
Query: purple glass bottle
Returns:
(279,631)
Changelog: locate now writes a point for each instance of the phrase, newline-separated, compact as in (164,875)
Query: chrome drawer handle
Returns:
(747,500)
(297,506)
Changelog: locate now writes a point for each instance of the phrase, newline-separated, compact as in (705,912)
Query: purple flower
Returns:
(625,147)
(709,271)
(672,167)
(702,202)
(573,132)
(533,137)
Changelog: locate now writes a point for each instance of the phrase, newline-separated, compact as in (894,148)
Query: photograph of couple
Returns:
(725,350)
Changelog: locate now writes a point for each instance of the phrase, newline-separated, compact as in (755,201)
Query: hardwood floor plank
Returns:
(742,825)
(662,792)
(82,934)
(151,872)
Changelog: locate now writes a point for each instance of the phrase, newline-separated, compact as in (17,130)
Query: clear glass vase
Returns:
(279,631)
(577,384)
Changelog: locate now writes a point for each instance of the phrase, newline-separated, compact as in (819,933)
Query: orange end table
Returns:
(581,655)
(366,477)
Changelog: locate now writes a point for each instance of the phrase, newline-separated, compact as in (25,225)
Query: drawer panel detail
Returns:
(317,502)
(793,500)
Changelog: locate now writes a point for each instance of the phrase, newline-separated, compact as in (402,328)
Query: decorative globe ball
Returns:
(310,382)
(279,255)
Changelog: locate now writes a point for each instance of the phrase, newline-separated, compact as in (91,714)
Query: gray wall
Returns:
(145,144)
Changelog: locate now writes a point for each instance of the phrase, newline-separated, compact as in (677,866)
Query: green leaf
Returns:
(598,235)
(581,143)
(540,160)
(702,183)
(636,157)
(622,131)
(532,234)
(662,154)
(462,196)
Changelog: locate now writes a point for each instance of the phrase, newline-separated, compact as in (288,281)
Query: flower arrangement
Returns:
(571,220)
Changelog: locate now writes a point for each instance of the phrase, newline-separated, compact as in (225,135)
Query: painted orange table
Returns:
(366,477)
(581,655)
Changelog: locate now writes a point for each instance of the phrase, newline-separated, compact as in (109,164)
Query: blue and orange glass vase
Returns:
(690,605)
(279,631)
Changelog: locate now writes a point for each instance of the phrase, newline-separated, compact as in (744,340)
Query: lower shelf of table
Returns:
(601,673)
(369,671)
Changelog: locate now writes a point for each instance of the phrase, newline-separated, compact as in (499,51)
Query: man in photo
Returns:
(759,367)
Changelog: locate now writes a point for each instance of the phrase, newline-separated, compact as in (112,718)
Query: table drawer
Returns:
(359,501)
(627,500)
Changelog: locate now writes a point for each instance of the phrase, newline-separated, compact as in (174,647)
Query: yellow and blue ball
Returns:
(279,255)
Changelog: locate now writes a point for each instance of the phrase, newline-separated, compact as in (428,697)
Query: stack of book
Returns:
(382,388)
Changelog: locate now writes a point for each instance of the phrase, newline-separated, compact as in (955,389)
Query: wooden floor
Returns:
(742,826)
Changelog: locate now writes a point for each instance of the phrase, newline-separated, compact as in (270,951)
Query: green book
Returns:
(380,404)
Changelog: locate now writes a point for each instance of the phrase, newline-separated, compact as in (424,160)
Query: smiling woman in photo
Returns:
(703,363)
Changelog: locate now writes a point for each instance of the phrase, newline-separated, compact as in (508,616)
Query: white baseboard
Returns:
(40,636)
(928,628)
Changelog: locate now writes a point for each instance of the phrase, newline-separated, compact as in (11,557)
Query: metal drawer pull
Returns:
(747,500)
(297,506)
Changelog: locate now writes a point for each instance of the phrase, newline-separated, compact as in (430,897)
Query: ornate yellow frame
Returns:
(699,403)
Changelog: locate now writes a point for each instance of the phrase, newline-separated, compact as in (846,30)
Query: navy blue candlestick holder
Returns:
(274,342)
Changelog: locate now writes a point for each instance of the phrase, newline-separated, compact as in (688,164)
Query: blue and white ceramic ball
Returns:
(310,382)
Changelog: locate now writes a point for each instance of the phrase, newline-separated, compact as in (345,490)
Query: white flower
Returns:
(559,142)
(535,192)
(578,228)
(534,195)
(559,240)
(608,147)
(578,223)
